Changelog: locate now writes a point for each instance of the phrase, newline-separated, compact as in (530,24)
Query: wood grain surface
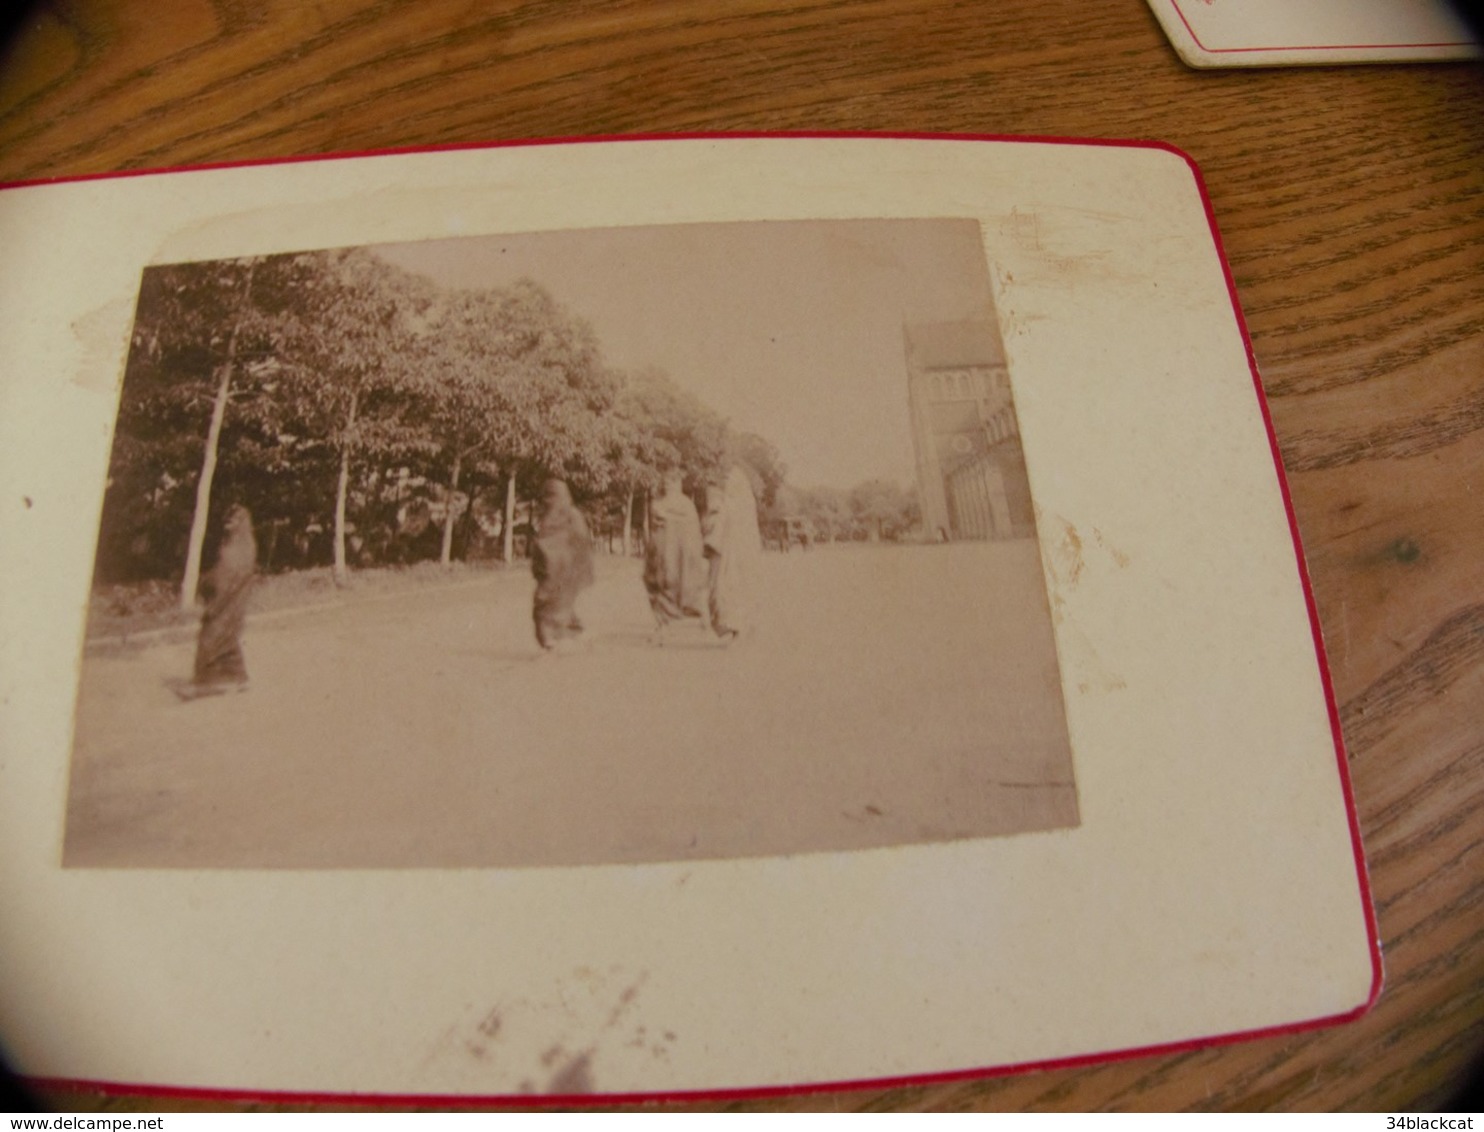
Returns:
(1351,203)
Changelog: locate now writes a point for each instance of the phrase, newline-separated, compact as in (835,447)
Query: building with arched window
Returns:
(971,478)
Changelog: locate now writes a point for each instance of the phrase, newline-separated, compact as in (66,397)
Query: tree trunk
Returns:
(453,488)
(197,543)
(628,520)
(342,573)
(509,532)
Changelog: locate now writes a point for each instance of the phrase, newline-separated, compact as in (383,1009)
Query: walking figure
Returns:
(732,545)
(562,563)
(675,571)
(219,663)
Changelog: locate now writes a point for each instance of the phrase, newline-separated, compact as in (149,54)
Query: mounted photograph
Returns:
(578,547)
(649,618)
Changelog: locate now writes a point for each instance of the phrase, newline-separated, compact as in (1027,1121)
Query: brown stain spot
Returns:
(476,1050)
(1024,228)
(574,1078)
(874,811)
(1117,555)
(1105,682)
(27,500)
(1083,657)
(625,1000)
(550,1056)
(1071,548)
(489,1025)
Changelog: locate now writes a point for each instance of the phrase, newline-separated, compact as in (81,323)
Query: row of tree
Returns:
(875,510)
(367,415)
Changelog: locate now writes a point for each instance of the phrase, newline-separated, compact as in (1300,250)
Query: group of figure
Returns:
(697,565)
(701,565)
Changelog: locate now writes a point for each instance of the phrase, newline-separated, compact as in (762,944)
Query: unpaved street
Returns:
(891,694)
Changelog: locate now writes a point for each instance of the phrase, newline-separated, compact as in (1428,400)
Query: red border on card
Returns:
(760,1092)
(1175,4)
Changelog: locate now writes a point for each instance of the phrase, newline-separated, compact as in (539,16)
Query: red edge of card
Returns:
(762,1092)
(1312,47)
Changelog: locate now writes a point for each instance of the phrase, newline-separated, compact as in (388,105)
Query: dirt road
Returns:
(890,695)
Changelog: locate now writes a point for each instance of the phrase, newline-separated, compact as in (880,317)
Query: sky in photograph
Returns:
(792,330)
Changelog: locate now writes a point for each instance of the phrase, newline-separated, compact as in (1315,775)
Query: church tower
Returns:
(970,468)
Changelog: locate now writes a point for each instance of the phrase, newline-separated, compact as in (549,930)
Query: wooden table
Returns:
(1351,201)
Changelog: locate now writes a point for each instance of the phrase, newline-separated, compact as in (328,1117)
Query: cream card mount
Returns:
(1273,33)
(1028,724)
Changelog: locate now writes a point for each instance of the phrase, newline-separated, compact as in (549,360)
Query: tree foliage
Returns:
(873,510)
(366,415)
(760,460)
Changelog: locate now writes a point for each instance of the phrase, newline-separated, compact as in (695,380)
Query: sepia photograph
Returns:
(568,548)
